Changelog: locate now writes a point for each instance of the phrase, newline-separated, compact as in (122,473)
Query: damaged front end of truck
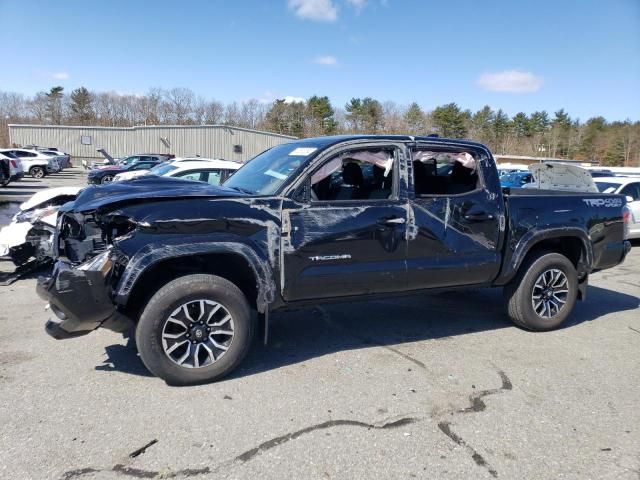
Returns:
(87,269)
(116,244)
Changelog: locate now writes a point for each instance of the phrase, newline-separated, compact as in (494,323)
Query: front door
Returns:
(350,237)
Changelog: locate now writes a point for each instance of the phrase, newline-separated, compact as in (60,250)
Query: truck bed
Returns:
(596,217)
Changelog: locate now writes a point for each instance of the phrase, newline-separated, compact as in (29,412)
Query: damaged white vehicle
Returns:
(30,233)
(561,176)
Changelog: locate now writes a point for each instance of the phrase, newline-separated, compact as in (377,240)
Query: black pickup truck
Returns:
(321,219)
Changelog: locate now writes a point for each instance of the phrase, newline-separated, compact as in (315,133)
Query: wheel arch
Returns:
(147,272)
(573,243)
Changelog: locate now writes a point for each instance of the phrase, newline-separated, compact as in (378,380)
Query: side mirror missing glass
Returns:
(303,194)
(305,191)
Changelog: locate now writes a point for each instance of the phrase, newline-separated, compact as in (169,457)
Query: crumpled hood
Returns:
(145,187)
(44,196)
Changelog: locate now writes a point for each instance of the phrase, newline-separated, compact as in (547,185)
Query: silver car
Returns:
(629,187)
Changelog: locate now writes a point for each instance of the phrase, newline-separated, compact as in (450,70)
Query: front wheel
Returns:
(36,172)
(106,179)
(195,329)
(543,293)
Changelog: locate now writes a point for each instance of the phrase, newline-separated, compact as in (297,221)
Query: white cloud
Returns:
(290,99)
(318,10)
(357,4)
(326,60)
(512,81)
(60,76)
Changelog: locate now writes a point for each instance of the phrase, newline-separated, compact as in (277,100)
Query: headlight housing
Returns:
(100,263)
(32,216)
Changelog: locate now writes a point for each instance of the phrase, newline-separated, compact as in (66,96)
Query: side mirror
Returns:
(303,195)
(630,199)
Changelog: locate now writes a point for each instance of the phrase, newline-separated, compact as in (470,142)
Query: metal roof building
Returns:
(215,141)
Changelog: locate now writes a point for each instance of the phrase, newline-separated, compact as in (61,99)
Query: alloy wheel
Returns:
(197,333)
(550,292)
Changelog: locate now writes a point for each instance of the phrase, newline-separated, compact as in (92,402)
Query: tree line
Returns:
(540,133)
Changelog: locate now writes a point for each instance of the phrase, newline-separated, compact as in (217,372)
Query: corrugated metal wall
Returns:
(214,141)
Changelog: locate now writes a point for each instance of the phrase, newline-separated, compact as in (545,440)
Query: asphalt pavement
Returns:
(429,386)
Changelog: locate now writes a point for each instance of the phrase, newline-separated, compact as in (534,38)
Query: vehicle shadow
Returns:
(19,188)
(123,358)
(299,335)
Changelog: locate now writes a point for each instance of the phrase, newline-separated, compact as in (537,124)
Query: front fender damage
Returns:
(103,253)
(152,254)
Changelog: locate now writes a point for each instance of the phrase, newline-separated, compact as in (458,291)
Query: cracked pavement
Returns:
(429,386)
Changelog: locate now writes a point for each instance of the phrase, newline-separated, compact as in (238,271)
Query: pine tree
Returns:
(81,106)
(321,116)
(414,118)
(450,121)
(54,105)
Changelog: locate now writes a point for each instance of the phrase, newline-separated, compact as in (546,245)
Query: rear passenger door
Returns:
(349,236)
(459,217)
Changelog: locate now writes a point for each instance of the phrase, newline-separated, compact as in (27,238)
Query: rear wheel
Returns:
(107,179)
(195,329)
(543,293)
(36,172)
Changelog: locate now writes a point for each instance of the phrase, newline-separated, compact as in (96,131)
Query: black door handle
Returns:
(478,216)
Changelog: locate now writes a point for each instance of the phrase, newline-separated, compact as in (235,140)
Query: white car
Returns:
(629,187)
(200,169)
(35,163)
(561,176)
(15,168)
(31,231)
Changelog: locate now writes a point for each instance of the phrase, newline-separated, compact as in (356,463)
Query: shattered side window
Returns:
(444,173)
(355,175)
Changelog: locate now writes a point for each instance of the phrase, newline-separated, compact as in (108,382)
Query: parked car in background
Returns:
(208,170)
(515,179)
(5,172)
(106,174)
(33,162)
(64,159)
(129,159)
(15,167)
(630,188)
(601,173)
(30,233)
(506,171)
(561,176)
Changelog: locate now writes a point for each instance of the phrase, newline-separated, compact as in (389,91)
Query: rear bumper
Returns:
(613,254)
(17,176)
(80,301)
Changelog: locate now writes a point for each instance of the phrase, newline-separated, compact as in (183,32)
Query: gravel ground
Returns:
(438,386)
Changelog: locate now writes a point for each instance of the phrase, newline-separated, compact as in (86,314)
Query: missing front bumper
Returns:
(81,301)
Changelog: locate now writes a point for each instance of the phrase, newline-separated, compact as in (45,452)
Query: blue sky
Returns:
(583,56)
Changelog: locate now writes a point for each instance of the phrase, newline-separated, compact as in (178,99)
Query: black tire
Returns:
(519,292)
(169,298)
(37,172)
(107,179)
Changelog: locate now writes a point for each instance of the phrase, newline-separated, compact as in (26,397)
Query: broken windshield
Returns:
(266,173)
